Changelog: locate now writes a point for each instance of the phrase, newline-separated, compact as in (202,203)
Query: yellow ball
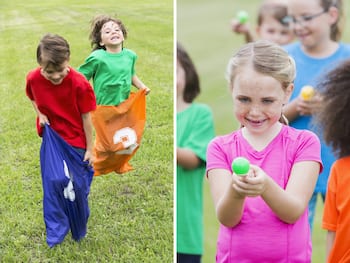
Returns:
(307,92)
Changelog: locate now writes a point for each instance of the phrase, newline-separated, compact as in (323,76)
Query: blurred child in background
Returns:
(194,130)
(270,25)
(334,121)
(318,26)
(263,216)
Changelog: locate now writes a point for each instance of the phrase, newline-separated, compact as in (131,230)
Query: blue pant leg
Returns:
(56,220)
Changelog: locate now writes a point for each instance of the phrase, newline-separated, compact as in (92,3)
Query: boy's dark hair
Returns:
(333,118)
(52,50)
(96,26)
(192,88)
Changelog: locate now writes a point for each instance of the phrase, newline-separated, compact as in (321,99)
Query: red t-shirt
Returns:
(63,104)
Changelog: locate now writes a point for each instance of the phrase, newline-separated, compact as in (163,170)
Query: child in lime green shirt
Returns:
(195,128)
(110,65)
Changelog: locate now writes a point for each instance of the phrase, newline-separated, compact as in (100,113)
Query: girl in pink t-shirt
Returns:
(263,215)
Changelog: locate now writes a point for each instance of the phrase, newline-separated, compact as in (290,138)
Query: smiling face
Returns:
(311,23)
(272,30)
(53,57)
(111,35)
(55,74)
(258,100)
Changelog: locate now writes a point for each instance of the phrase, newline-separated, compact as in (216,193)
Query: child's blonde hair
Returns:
(266,58)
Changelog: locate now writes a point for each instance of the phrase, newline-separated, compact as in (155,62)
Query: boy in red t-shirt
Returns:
(61,96)
(62,99)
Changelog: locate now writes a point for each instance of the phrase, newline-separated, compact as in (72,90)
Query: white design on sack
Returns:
(128,138)
(68,191)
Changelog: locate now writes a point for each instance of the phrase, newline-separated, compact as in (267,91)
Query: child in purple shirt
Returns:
(263,215)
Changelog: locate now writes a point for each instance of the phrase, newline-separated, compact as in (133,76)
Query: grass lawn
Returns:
(203,27)
(131,214)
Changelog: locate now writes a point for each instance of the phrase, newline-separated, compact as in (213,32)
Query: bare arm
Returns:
(299,107)
(244,29)
(228,203)
(288,204)
(139,84)
(42,117)
(187,158)
(329,243)
(88,130)
(228,192)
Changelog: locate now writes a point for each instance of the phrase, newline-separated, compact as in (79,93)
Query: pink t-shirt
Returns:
(261,236)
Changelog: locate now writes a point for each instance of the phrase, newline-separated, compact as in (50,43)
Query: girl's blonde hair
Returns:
(264,57)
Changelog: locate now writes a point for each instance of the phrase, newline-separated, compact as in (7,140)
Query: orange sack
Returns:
(119,131)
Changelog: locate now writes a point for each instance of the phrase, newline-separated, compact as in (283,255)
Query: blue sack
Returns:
(66,183)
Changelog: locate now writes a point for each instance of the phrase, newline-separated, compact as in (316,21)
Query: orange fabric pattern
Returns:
(119,130)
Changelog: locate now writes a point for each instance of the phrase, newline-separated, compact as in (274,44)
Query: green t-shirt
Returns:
(195,129)
(111,74)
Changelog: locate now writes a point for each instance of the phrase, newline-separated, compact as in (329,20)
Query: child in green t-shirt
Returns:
(110,65)
(195,128)
(120,115)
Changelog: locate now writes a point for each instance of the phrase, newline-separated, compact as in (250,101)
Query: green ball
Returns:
(240,166)
(242,17)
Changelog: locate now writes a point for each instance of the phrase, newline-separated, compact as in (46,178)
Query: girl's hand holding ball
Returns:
(242,17)
(240,166)
(252,185)
(307,92)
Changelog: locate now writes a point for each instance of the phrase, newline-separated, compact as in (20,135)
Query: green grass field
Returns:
(131,214)
(203,27)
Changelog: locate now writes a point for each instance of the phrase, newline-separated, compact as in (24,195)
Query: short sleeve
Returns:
(88,68)
(29,91)
(216,157)
(308,148)
(202,133)
(195,129)
(86,97)
(330,213)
